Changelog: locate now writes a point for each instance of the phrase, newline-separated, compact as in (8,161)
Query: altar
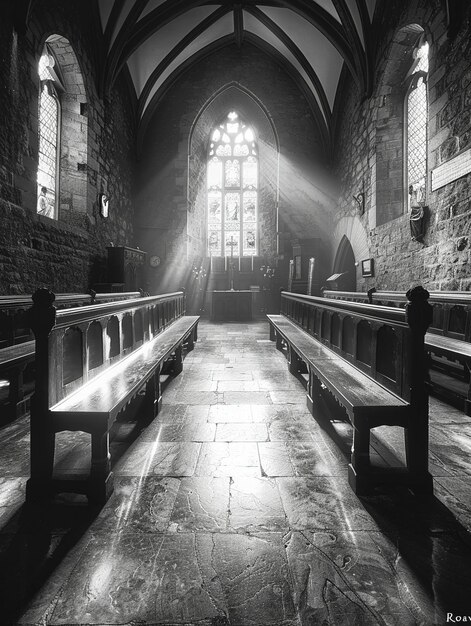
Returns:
(231,306)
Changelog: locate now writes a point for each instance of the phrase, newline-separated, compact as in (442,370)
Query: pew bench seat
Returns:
(450,368)
(367,403)
(13,362)
(95,406)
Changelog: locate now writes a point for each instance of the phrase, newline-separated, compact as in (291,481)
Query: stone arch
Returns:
(73,169)
(233,96)
(350,230)
(344,263)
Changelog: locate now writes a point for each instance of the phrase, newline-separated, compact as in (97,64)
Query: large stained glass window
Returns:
(49,115)
(232,189)
(416,126)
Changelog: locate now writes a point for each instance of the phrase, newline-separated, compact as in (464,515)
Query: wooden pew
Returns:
(448,340)
(371,359)
(91,362)
(14,327)
(17,353)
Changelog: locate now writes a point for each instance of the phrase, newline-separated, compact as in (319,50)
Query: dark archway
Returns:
(345,264)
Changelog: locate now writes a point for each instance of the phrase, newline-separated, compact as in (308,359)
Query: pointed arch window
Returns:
(49,136)
(416,126)
(232,189)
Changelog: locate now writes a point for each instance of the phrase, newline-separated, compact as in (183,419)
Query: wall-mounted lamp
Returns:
(360,200)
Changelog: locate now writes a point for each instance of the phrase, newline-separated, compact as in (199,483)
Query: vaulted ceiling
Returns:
(313,39)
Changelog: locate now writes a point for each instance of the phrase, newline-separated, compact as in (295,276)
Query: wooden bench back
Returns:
(349,296)
(376,339)
(451,309)
(83,341)
(14,325)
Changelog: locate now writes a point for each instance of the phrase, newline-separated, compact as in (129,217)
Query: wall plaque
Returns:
(451,170)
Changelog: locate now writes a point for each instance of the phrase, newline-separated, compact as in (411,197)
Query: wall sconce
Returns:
(103,203)
(360,200)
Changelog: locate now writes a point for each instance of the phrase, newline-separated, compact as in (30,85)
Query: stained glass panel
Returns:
(215,173)
(214,206)
(416,128)
(232,180)
(232,173)
(249,172)
(422,59)
(232,203)
(231,242)
(47,157)
(214,242)
(249,242)
(241,150)
(45,62)
(250,206)
(224,150)
(417,133)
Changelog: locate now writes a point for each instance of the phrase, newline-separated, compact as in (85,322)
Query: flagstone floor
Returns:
(233,508)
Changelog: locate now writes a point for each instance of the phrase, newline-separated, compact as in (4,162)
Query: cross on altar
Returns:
(232,244)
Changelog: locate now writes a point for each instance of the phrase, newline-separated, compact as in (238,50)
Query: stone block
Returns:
(452,108)
(436,106)
(449,148)
(438,139)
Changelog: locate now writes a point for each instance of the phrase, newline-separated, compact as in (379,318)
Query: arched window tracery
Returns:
(416,109)
(232,189)
(49,135)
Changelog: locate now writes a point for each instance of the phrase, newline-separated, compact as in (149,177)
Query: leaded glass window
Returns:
(232,189)
(48,118)
(416,127)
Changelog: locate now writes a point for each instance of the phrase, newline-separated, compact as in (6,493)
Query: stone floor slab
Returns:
(138,505)
(228,459)
(256,506)
(241,432)
(202,504)
(159,459)
(325,503)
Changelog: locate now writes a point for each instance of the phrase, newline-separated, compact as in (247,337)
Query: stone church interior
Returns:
(235,312)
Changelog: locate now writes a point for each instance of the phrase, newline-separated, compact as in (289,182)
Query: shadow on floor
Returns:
(422,540)
(32,545)
(38,537)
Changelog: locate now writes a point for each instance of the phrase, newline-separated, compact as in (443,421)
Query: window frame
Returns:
(238,189)
(411,83)
(55,87)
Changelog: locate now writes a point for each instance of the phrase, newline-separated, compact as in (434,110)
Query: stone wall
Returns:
(369,156)
(67,254)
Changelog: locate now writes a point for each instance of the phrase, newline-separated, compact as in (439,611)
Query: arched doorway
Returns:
(345,264)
